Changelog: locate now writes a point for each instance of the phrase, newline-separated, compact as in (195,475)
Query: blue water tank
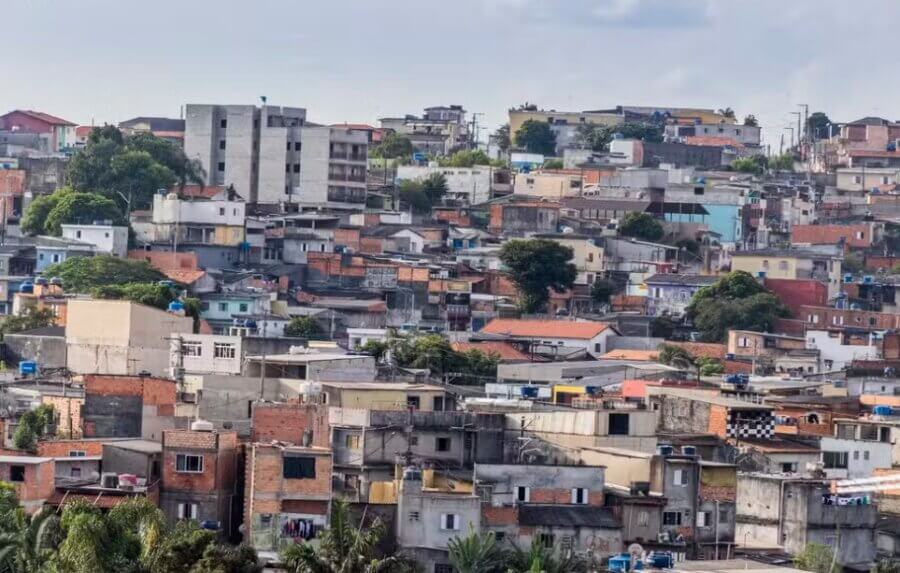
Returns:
(592,390)
(28,367)
(868,279)
(661,560)
(621,562)
(166,283)
(176,306)
(848,277)
(26,287)
(882,410)
(529,391)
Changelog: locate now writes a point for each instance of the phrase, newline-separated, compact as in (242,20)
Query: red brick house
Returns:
(33,478)
(127,406)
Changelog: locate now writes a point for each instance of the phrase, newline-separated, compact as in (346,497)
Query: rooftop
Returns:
(704,396)
(582,330)
(566,516)
(143,446)
(686,280)
(305,358)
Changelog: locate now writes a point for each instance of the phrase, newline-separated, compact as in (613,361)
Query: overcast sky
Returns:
(358,60)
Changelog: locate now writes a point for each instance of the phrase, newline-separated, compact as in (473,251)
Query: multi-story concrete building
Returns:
(271,155)
(438,131)
(106,238)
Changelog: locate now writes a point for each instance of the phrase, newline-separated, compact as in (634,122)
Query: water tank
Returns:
(621,562)
(848,277)
(26,287)
(868,279)
(176,306)
(661,560)
(41,281)
(665,450)
(882,410)
(56,281)
(109,480)
(529,391)
(28,367)
(592,390)
(689,450)
(202,426)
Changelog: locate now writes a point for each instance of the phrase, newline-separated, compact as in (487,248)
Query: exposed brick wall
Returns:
(269,478)
(561,496)
(347,237)
(718,417)
(718,493)
(218,450)
(68,413)
(155,391)
(507,515)
(848,318)
(39,480)
(287,422)
(796,293)
(311,506)
(61,448)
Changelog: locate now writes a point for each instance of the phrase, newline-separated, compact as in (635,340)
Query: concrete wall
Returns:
(123,460)
(878,454)
(758,510)
(314,158)
(426,531)
(47,351)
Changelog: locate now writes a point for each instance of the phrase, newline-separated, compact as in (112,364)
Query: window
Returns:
(223,306)
(438,404)
(885,180)
(671,518)
(789,467)
(414,440)
(450,522)
(579,496)
(743,342)
(77,453)
(299,467)
(75,472)
(185,463)
(680,477)
(442,444)
(296,146)
(834,460)
(618,424)
(444,568)
(221,166)
(547,540)
(243,307)
(191,349)
(56,258)
(413,516)
(77,234)
(856,454)
(782,265)
(412,402)
(704,518)
(17,473)
(223,350)
(857,179)
(296,168)
(352,442)
(643,518)
(221,144)
(866,455)
(223,123)
(221,211)
(765,263)
(187,511)
(523,494)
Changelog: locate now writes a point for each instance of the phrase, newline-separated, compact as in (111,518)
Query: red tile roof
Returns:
(831,234)
(46,117)
(546,328)
(506,352)
(702,349)
(83,130)
(184,276)
(626,354)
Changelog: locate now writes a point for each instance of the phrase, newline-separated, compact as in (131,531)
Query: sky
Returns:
(103,61)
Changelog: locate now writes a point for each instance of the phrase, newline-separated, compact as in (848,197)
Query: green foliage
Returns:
(150,294)
(83,274)
(817,558)
(502,137)
(689,245)
(598,137)
(135,166)
(593,137)
(421,195)
(674,356)
(33,426)
(751,121)
(709,366)
(818,125)
(28,544)
(539,558)
(727,112)
(392,146)
(219,558)
(535,265)
(30,319)
(641,226)
(736,301)
(603,289)
(344,547)
(755,165)
(476,553)
(376,348)
(536,137)
(645,131)
(46,214)
(305,327)
(434,352)
(783,162)
(553,164)
(465,158)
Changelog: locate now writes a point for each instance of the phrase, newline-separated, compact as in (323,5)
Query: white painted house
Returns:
(834,351)
(566,335)
(107,238)
(470,185)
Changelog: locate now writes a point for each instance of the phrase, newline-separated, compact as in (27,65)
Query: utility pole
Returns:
(791,127)
(806,133)
(473,130)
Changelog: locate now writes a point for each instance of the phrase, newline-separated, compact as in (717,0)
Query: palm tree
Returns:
(344,547)
(476,553)
(28,545)
(727,112)
(539,558)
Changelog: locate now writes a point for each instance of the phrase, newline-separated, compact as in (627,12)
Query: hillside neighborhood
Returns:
(630,337)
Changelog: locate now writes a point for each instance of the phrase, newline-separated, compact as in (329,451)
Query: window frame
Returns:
(181,460)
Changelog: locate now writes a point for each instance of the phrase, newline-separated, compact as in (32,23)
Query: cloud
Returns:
(612,13)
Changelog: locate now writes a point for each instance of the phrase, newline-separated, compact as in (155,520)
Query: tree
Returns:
(709,366)
(414,197)
(35,217)
(344,547)
(536,137)
(540,558)
(75,207)
(641,226)
(377,348)
(219,558)
(727,112)
(135,166)
(305,327)
(151,294)
(28,544)
(888,565)
(784,162)
(392,146)
(475,364)
(83,274)
(674,356)
(476,553)
(32,317)
(535,265)
(32,427)
(431,351)
(817,558)
(751,121)
(749,165)
(736,301)
(819,125)
(603,289)
(502,137)
(645,131)
(553,164)
(435,187)
(466,158)
(593,137)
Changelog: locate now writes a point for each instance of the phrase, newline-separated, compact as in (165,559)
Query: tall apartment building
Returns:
(271,155)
